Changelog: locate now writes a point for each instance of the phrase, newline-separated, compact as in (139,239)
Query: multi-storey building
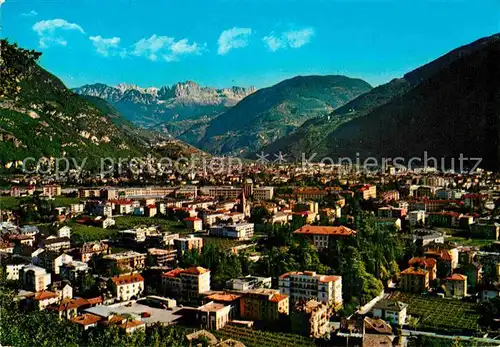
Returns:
(89,249)
(310,318)
(127,287)
(161,257)
(248,282)
(321,235)
(309,285)
(416,217)
(456,285)
(367,192)
(266,305)
(226,192)
(128,259)
(415,280)
(51,190)
(240,231)
(193,224)
(34,278)
(184,244)
(263,193)
(188,283)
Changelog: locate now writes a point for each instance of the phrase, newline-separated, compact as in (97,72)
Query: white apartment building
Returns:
(263,193)
(309,285)
(34,278)
(184,244)
(127,287)
(416,217)
(240,231)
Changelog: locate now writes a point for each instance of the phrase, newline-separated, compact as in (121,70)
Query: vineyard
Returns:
(441,314)
(222,243)
(251,337)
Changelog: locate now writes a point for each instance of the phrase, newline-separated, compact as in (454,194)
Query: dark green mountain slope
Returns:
(314,135)
(455,111)
(273,112)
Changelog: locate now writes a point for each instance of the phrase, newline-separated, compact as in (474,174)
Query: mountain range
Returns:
(447,107)
(172,108)
(41,118)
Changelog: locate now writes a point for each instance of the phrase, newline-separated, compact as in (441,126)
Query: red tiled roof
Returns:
(86,319)
(121,202)
(192,219)
(127,279)
(173,273)
(325,230)
(457,277)
(426,262)
(196,270)
(326,279)
(228,297)
(45,294)
(131,324)
(414,271)
(278,297)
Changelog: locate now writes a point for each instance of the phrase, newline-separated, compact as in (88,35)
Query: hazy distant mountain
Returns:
(274,112)
(447,107)
(174,108)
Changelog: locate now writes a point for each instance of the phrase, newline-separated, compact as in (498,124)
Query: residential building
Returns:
(416,217)
(240,231)
(73,271)
(307,285)
(65,231)
(429,264)
(86,320)
(390,311)
(12,267)
(456,285)
(188,283)
(56,244)
(89,249)
(266,305)
(129,259)
(310,318)
(34,278)
(51,190)
(263,193)
(52,261)
(191,242)
(415,280)
(193,224)
(161,257)
(367,192)
(213,316)
(320,235)
(127,287)
(248,282)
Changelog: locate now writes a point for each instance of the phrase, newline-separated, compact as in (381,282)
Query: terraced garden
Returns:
(441,314)
(251,337)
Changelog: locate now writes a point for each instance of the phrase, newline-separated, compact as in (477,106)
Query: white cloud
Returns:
(47,30)
(298,38)
(273,42)
(166,47)
(31,13)
(2,2)
(233,38)
(105,47)
(291,39)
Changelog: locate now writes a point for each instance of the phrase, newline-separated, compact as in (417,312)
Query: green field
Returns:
(63,201)
(10,202)
(129,222)
(258,338)
(222,242)
(84,233)
(464,241)
(441,314)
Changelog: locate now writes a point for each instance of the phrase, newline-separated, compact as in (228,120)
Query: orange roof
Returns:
(196,270)
(127,279)
(95,301)
(425,262)
(326,279)
(68,304)
(278,297)
(414,271)
(325,230)
(192,219)
(86,319)
(45,294)
(131,324)
(223,297)
(457,277)
(173,273)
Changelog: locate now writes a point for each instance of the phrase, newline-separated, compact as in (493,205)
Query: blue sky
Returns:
(241,42)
